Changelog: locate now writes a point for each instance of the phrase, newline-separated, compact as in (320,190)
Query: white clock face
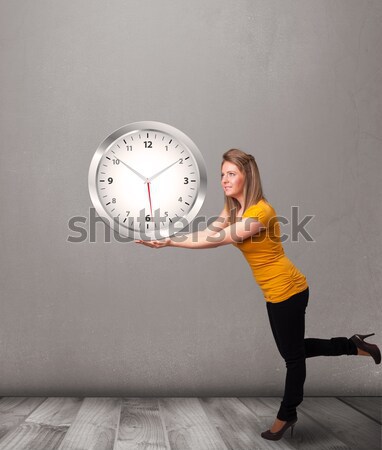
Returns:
(147,180)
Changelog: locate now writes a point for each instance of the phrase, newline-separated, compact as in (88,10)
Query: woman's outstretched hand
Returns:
(155,244)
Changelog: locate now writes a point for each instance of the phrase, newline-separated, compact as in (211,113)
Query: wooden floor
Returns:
(185,423)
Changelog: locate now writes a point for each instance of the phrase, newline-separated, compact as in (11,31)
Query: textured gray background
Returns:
(295,83)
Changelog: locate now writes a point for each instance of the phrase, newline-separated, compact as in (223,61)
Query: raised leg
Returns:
(335,346)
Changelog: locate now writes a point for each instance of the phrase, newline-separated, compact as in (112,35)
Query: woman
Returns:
(249,222)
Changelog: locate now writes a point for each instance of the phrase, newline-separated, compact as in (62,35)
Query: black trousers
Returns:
(287,320)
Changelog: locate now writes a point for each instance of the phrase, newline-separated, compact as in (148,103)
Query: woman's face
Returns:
(232,180)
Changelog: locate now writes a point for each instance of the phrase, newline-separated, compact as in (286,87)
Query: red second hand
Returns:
(148,187)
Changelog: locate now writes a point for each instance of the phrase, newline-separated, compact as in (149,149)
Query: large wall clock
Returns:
(147,180)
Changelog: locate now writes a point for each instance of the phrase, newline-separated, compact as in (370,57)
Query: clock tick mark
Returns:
(125,141)
(186,158)
(108,203)
(187,203)
(189,165)
(170,141)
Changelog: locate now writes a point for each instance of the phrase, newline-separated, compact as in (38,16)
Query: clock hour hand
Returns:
(133,170)
(155,175)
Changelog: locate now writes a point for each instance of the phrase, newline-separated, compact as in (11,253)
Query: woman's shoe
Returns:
(276,436)
(373,349)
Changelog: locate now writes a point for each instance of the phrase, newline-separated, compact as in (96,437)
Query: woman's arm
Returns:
(217,225)
(234,233)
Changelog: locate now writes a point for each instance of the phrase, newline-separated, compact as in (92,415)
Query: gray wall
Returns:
(295,83)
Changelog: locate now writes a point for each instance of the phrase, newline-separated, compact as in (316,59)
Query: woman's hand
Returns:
(155,244)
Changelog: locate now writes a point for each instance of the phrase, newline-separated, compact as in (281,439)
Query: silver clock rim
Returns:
(182,138)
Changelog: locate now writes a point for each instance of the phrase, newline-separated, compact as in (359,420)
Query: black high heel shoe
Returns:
(276,436)
(373,349)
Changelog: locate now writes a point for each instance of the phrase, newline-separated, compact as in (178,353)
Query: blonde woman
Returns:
(249,222)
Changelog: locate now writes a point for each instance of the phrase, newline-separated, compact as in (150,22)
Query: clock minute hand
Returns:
(155,175)
(133,170)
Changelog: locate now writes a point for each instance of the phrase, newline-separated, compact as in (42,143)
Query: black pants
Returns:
(287,320)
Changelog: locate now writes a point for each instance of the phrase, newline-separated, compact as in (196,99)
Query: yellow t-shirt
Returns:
(276,275)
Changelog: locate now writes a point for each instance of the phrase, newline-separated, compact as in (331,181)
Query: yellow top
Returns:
(276,275)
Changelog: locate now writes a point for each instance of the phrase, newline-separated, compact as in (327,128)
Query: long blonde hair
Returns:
(253,191)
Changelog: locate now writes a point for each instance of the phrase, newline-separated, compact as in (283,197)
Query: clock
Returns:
(147,180)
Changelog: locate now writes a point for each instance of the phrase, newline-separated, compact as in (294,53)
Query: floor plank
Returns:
(308,434)
(95,426)
(33,436)
(14,410)
(141,426)
(238,425)
(349,425)
(187,425)
(45,427)
(370,406)
(56,411)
